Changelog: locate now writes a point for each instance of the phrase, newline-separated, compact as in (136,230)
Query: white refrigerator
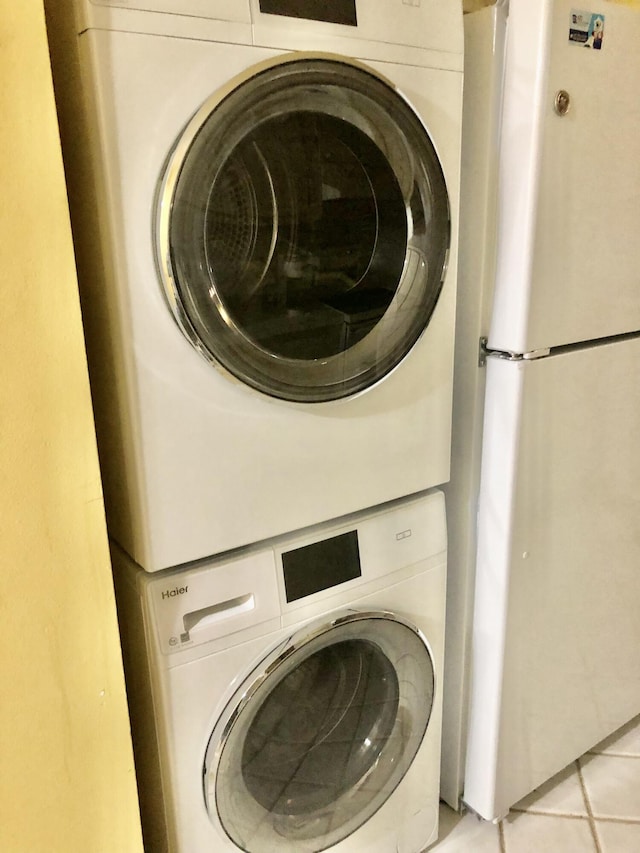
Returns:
(555,638)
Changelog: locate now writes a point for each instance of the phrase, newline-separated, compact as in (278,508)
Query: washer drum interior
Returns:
(320,735)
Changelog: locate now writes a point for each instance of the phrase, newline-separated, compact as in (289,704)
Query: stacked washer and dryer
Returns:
(264,197)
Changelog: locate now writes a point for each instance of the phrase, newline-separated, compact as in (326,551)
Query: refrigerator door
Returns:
(556,635)
(569,185)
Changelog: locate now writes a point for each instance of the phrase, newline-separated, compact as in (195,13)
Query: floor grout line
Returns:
(541,813)
(587,802)
(629,821)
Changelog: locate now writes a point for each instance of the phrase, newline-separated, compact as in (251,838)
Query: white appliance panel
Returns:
(427,34)
(569,214)
(210,465)
(555,633)
(223,10)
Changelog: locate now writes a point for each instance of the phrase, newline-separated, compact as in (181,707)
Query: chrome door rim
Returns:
(324,381)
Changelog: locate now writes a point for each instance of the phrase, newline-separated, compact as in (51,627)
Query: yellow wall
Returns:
(66,768)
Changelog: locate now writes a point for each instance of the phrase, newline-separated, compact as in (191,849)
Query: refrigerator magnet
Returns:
(586,29)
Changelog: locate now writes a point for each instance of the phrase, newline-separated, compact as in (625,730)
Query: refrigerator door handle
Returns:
(485,352)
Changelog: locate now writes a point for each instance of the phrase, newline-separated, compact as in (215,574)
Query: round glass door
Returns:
(320,735)
(303,230)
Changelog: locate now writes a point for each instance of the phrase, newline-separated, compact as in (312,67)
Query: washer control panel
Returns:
(292,577)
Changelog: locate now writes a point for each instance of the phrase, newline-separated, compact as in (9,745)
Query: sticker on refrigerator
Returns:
(586,29)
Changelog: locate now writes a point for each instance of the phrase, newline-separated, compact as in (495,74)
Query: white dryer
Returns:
(264,199)
(288,699)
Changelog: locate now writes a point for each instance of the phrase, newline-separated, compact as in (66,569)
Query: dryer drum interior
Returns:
(303,230)
(319,737)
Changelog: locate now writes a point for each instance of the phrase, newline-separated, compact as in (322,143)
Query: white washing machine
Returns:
(264,198)
(288,699)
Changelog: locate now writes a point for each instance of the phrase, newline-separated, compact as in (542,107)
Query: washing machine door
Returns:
(303,229)
(320,735)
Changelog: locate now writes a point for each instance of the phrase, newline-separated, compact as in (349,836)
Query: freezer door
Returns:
(556,635)
(568,256)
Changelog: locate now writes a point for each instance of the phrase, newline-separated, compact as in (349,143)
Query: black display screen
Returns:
(321,565)
(332,12)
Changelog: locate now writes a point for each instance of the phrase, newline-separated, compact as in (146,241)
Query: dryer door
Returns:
(320,735)
(303,229)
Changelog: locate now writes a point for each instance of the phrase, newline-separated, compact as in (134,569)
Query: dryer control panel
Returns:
(336,12)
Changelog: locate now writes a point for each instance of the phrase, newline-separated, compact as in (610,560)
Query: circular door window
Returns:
(319,737)
(303,230)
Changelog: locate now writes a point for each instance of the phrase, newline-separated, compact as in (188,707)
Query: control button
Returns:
(404,534)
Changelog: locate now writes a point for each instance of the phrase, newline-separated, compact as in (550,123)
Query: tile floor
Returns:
(593,806)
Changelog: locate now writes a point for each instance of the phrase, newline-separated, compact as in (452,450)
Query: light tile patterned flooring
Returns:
(593,806)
